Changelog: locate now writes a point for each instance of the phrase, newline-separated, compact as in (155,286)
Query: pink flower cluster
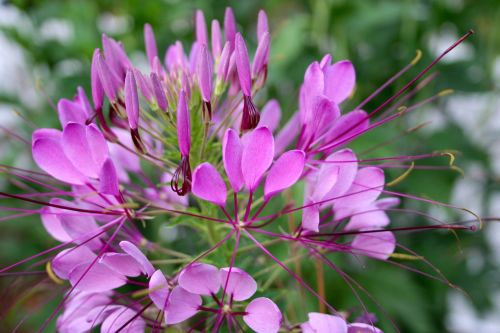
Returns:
(186,140)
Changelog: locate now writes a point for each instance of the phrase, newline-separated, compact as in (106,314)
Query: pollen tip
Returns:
(446,92)
(417,58)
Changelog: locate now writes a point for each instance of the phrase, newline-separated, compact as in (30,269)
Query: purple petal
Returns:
(262,25)
(287,134)
(131,100)
(49,156)
(340,79)
(239,283)
(200,279)
(68,259)
(204,71)
(370,216)
(201,29)
(284,173)
(324,113)
(209,185)
(362,328)
(98,145)
(388,202)
(243,65)
(327,323)
(232,150)
(310,217)
(70,111)
(312,88)
(270,115)
(182,305)
(121,263)
(96,279)
(230,26)
(183,125)
(108,179)
(348,168)
(257,156)
(52,224)
(145,85)
(78,150)
(366,188)
(107,78)
(261,55)
(325,61)
(149,40)
(378,245)
(124,319)
(216,39)
(146,266)
(159,289)
(347,127)
(263,316)
(95,81)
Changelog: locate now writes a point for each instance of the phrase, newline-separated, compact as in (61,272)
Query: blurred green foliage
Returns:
(380,37)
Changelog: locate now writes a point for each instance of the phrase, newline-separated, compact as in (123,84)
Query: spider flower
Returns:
(118,168)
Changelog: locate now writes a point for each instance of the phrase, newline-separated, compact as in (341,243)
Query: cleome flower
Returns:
(183,168)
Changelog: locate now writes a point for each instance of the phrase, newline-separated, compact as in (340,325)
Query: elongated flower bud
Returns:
(223,64)
(95,82)
(201,29)
(262,25)
(204,72)
(243,65)
(181,180)
(144,85)
(229,26)
(150,41)
(158,92)
(261,56)
(183,124)
(131,100)
(106,77)
(216,39)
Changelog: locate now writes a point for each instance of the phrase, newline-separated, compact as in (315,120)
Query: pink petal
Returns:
(146,266)
(310,218)
(387,202)
(327,323)
(121,263)
(200,279)
(216,39)
(284,173)
(182,305)
(239,283)
(77,149)
(108,179)
(366,188)
(204,72)
(98,145)
(340,79)
(49,156)
(378,245)
(229,26)
(232,150)
(209,185)
(347,164)
(263,316)
(324,113)
(370,216)
(52,224)
(68,259)
(347,128)
(257,156)
(270,115)
(287,134)
(362,328)
(121,316)
(96,279)
(159,289)
(70,111)
(312,88)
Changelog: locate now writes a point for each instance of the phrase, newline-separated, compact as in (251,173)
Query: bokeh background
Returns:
(45,52)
